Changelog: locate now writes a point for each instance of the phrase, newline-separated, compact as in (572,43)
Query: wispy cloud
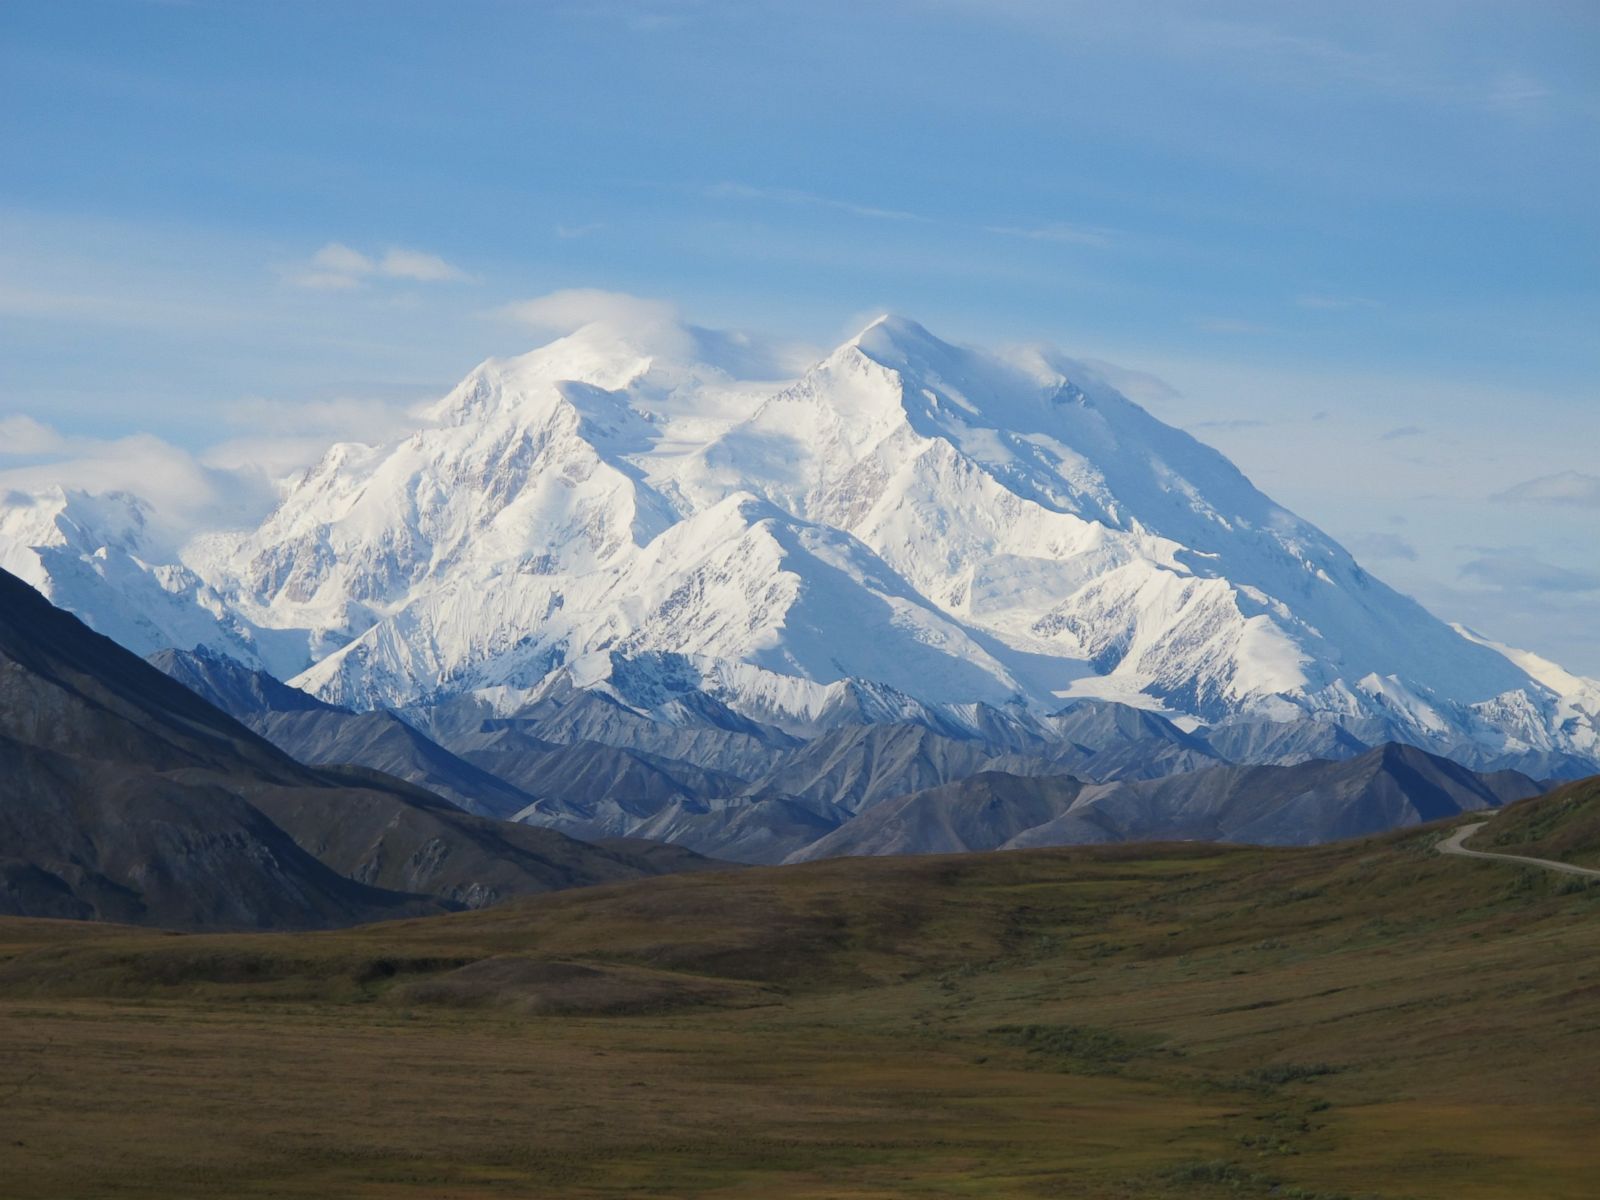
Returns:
(338,267)
(185,494)
(1230,425)
(1383,546)
(1314,61)
(276,438)
(1512,91)
(1075,235)
(1308,60)
(1401,431)
(399,263)
(23,437)
(564,311)
(658,327)
(1278,44)
(1516,570)
(1059,232)
(1566,487)
(573,232)
(231,483)
(797,197)
(339,258)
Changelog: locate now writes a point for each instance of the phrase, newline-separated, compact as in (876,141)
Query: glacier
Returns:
(909,530)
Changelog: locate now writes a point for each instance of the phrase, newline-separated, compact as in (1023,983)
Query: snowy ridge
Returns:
(909,531)
(97,556)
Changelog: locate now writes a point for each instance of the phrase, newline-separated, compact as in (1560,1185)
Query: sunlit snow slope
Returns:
(940,524)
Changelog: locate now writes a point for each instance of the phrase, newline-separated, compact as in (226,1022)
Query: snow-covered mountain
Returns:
(908,527)
(96,556)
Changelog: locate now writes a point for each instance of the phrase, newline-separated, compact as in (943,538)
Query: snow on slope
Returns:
(909,523)
(96,556)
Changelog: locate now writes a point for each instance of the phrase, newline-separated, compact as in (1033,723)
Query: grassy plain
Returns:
(1367,1019)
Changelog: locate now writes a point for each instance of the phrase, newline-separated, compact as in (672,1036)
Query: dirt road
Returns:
(1452,845)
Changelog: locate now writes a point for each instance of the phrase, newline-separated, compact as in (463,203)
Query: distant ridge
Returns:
(909,531)
(125,796)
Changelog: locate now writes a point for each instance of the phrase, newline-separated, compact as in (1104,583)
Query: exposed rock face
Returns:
(908,531)
(126,796)
(1315,801)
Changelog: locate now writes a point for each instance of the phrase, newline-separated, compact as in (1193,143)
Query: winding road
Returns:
(1452,845)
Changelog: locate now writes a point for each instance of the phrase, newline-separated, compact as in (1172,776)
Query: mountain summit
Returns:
(932,523)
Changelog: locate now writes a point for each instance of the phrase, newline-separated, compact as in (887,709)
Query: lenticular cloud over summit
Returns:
(907,525)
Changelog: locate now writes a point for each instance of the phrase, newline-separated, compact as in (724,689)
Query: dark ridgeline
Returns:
(1095,772)
(126,796)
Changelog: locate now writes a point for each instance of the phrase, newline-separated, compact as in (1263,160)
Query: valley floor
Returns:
(1368,1019)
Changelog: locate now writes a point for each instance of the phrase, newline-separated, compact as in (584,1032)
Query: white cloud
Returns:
(1516,570)
(1567,487)
(562,312)
(1142,387)
(340,417)
(277,439)
(229,485)
(323,281)
(1383,545)
(794,196)
(185,495)
(660,328)
(339,258)
(340,268)
(22,436)
(424,268)
(1512,91)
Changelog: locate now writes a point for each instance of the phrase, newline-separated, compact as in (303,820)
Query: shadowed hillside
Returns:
(126,796)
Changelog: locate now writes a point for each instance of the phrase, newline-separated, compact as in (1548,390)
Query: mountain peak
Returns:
(896,341)
(958,524)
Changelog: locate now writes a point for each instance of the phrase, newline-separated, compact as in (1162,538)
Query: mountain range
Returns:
(910,530)
(1096,772)
(618,589)
(128,797)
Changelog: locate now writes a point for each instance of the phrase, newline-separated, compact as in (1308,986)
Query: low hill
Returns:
(1563,825)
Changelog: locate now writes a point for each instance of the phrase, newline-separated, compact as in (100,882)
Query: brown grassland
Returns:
(1367,1019)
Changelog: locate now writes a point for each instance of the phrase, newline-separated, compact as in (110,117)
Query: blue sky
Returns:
(1353,245)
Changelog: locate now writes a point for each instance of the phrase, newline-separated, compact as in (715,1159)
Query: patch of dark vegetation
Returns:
(1229,1176)
(378,970)
(1277,1074)
(1219,1171)
(534,987)
(1081,1046)
(175,966)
